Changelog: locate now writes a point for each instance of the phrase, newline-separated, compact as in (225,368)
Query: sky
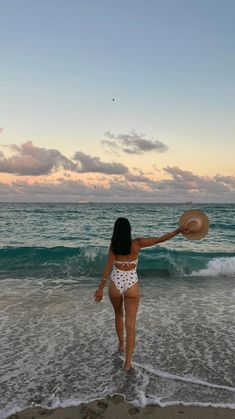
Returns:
(117,101)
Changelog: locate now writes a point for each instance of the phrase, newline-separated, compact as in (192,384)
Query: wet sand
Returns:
(116,407)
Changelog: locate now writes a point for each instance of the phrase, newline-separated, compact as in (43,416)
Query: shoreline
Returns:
(116,407)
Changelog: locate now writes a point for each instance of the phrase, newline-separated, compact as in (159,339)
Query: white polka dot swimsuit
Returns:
(124,279)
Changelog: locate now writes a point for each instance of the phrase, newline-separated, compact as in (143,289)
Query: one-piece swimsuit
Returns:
(124,279)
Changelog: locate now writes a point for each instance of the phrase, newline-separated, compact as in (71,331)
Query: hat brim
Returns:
(202,219)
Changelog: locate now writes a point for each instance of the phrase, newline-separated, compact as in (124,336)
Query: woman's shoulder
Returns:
(135,245)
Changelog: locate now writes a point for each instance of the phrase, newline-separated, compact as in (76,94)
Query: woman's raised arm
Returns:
(151,241)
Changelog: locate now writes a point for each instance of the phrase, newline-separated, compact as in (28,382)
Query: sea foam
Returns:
(224,266)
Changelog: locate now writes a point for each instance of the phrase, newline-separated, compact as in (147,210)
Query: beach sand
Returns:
(116,407)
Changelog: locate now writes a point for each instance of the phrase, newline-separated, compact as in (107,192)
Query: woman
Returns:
(123,287)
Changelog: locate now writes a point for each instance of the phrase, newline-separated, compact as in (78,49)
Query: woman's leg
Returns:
(131,302)
(117,301)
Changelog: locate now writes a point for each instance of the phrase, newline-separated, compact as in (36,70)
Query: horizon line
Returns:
(114,202)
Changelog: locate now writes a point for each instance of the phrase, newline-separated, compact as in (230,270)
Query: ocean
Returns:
(59,348)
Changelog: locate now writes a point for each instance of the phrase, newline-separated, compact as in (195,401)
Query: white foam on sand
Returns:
(151,400)
(164,374)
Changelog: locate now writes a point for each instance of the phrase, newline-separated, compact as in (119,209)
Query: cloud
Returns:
(112,146)
(66,190)
(29,160)
(182,186)
(94,164)
(132,143)
(120,185)
(226,180)
(184,180)
(130,177)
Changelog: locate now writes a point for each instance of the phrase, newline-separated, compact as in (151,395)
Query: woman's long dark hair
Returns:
(121,238)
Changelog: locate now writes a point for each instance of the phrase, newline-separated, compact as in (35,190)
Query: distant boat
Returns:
(189,202)
(85,201)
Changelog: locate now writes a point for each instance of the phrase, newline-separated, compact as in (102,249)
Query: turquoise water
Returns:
(58,347)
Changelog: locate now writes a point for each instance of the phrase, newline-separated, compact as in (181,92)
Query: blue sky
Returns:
(170,65)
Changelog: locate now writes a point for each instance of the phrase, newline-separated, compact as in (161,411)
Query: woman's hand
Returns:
(185,229)
(98,295)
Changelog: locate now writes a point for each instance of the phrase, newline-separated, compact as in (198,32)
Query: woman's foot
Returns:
(127,366)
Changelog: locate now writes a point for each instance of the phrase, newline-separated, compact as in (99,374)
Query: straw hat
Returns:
(197,221)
